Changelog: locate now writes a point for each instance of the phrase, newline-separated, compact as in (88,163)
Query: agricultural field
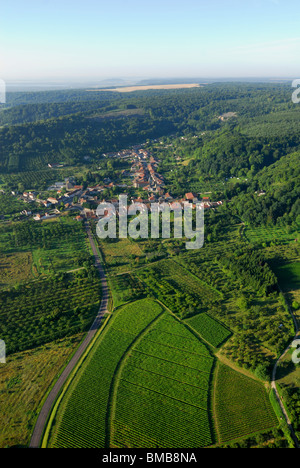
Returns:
(162,396)
(56,245)
(182,292)
(19,401)
(207,271)
(125,288)
(15,268)
(285,262)
(242,406)
(38,290)
(209,329)
(261,330)
(44,311)
(82,415)
(156,389)
(48,309)
(251,307)
(130,89)
(149,357)
(120,255)
(186,352)
(270,235)
(31,179)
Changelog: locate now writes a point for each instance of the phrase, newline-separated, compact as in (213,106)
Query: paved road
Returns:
(45,411)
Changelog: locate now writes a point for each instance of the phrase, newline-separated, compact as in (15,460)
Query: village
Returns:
(83,201)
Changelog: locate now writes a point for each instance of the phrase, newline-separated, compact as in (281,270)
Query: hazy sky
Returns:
(76,39)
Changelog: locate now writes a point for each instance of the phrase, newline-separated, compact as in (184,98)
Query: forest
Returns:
(65,126)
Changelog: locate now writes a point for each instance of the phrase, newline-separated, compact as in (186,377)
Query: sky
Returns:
(94,40)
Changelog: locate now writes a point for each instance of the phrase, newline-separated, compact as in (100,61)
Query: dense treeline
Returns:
(229,153)
(26,113)
(250,267)
(292,396)
(234,154)
(18,98)
(264,193)
(69,137)
(272,197)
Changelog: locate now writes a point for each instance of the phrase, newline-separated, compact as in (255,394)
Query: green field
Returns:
(120,254)
(182,292)
(146,383)
(24,381)
(289,276)
(56,245)
(39,289)
(15,268)
(47,310)
(242,406)
(209,329)
(270,234)
(163,392)
(125,288)
(82,416)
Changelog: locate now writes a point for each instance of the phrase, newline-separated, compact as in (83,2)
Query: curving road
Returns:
(45,411)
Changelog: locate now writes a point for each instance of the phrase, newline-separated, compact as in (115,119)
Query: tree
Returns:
(262,372)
